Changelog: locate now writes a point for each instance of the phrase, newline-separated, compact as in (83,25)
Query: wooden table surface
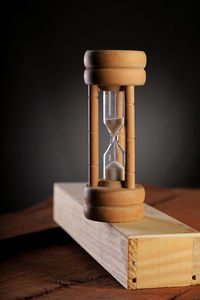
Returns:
(40,261)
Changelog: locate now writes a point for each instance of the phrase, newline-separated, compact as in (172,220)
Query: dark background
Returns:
(45,98)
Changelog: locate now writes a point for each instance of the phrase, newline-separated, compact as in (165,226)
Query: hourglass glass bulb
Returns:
(114,121)
(114,125)
(114,170)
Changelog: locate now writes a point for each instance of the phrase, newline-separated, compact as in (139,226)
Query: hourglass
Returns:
(115,197)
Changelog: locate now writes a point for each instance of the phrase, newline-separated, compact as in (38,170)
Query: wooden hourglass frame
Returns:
(138,253)
(113,70)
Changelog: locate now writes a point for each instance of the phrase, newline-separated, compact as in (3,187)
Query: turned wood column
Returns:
(130,137)
(93,127)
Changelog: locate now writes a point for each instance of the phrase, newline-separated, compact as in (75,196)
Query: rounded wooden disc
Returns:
(110,202)
(114,214)
(114,68)
(114,59)
(113,196)
(115,77)
(112,183)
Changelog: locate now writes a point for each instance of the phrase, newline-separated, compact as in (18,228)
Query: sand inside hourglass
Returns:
(114,171)
(114,124)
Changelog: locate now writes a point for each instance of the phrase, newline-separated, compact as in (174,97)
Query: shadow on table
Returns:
(19,244)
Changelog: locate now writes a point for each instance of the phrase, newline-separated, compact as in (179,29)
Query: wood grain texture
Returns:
(164,245)
(113,196)
(93,233)
(115,77)
(114,59)
(196,261)
(114,68)
(49,265)
(36,218)
(132,263)
(93,159)
(113,204)
(130,137)
(164,262)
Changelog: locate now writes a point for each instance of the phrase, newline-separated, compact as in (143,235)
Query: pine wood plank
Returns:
(64,270)
(168,242)
(106,244)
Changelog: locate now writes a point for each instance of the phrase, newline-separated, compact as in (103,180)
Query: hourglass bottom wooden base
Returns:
(110,202)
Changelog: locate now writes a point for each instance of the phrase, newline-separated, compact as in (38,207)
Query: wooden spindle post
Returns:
(130,137)
(93,135)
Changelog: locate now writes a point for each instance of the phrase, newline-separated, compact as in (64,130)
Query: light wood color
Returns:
(196,260)
(130,137)
(114,214)
(114,59)
(114,68)
(115,77)
(157,251)
(120,114)
(160,262)
(112,204)
(112,196)
(93,135)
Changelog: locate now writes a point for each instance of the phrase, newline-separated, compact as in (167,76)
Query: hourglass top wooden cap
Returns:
(114,67)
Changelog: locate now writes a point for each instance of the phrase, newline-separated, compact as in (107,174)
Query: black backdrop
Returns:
(45,98)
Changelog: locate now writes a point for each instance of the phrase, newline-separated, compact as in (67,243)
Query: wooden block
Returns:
(157,251)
